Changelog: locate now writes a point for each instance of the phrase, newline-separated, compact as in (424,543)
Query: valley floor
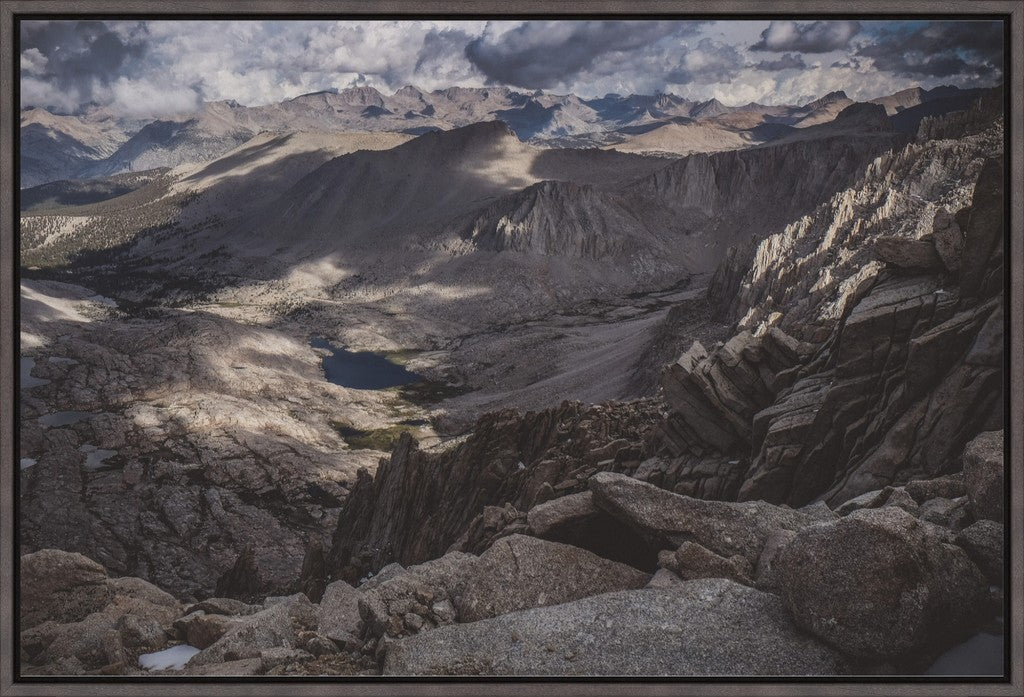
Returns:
(215,423)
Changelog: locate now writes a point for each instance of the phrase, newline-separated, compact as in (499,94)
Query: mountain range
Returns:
(97,143)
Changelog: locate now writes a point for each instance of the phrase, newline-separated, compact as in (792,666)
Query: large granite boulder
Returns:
(906,253)
(879,584)
(60,586)
(984,473)
(692,560)
(278,625)
(669,520)
(704,627)
(521,572)
(338,612)
(983,542)
(75,619)
(575,520)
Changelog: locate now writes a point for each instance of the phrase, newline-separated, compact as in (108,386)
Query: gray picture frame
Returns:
(11,9)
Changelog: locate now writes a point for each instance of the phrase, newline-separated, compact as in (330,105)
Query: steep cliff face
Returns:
(419,503)
(561,219)
(725,197)
(891,296)
(809,269)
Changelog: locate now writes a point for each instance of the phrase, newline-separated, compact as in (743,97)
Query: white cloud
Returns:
(169,64)
(141,98)
(33,61)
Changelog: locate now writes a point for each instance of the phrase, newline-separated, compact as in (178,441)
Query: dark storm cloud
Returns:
(440,46)
(939,49)
(543,54)
(813,37)
(710,61)
(80,54)
(787,61)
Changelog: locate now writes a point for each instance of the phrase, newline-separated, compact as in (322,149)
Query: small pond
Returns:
(64,418)
(361,370)
(94,457)
(28,381)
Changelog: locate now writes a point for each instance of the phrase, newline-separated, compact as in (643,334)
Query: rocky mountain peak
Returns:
(831,97)
(864,112)
(409,91)
(361,96)
(711,107)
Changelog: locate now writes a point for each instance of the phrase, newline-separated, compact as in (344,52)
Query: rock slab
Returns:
(704,627)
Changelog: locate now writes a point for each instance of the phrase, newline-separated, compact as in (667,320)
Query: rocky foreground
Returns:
(882,584)
(819,494)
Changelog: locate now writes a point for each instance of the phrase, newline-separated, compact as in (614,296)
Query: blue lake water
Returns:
(361,370)
(65,418)
(95,457)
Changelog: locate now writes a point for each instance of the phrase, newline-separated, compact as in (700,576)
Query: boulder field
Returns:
(883,584)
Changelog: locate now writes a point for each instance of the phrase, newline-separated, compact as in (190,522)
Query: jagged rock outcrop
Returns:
(419,503)
(243,580)
(870,401)
(714,399)
(705,627)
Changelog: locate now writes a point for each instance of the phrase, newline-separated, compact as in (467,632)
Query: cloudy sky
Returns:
(160,67)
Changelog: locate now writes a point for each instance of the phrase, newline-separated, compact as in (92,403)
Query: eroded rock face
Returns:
(899,360)
(706,627)
(77,620)
(521,572)
(879,584)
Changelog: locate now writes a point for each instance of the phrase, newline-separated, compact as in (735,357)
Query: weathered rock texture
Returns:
(706,627)
(984,475)
(847,373)
(520,572)
(879,584)
(76,620)
(670,520)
